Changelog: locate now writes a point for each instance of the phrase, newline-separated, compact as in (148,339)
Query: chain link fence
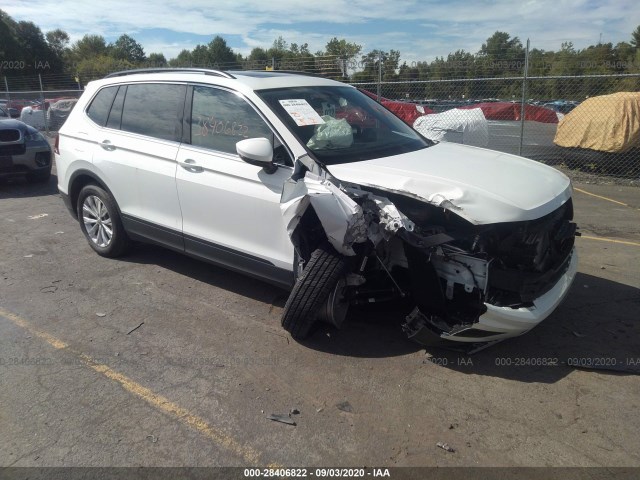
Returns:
(592,127)
(41,101)
(584,123)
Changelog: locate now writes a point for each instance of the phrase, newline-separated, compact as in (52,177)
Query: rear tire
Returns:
(318,280)
(100,222)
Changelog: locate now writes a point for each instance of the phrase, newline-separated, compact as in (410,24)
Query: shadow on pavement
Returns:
(204,272)
(18,187)
(597,326)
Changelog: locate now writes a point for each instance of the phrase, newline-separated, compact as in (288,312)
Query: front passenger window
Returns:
(220,119)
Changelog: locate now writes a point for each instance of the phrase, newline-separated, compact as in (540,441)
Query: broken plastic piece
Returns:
(282,419)
(135,328)
(445,446)
(341,217)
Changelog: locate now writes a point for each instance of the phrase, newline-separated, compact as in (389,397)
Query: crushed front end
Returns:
(466,283)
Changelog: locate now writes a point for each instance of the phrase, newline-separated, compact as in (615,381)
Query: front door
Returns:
(231,209)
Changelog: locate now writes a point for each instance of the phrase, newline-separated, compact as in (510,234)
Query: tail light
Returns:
(56,145)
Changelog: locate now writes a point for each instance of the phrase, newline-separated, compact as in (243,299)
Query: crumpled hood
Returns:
(482,186)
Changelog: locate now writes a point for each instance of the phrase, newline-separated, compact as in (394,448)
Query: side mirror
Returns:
(257,151)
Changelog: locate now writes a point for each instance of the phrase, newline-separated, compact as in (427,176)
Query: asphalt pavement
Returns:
(156,359)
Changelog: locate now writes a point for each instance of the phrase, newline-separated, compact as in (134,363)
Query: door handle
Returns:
(191,166)
(107,145)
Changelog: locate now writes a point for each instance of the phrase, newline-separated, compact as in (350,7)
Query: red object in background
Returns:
(407,112)
(511,111)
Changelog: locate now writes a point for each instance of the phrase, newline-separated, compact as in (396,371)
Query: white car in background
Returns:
(307,183)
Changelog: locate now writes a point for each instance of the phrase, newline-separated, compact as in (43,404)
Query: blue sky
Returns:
(420,30)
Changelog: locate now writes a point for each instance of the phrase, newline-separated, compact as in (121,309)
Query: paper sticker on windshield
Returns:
(301,112)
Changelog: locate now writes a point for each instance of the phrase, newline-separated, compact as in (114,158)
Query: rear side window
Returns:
(98,111)
(220,119)
(154,110)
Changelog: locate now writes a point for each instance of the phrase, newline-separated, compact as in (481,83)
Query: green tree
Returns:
(97,67)
(219,53)
(342,49)
(88,47)
(258,53)
(184,59)
(635,37)
(10,49)
(200,57)
(338,58)
(35,47)
(58,41)
(501,56)
(278,48)
(156,60)
(126,48)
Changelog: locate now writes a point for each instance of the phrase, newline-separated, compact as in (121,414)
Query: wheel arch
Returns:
(308,234)
(82,178)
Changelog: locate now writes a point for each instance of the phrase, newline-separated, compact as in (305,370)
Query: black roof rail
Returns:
(204,71)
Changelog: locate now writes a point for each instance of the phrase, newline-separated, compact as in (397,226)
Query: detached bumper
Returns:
(503,322)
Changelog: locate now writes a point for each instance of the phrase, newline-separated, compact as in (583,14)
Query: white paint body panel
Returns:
(484,186)
(140,172)
(512,322)
(234,204)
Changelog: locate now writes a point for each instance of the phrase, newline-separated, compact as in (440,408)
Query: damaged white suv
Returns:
(306,182)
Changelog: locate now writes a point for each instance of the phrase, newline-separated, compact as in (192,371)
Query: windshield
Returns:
(341,125)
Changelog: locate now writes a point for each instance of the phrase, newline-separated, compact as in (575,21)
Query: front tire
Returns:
(319,278)
(100,222)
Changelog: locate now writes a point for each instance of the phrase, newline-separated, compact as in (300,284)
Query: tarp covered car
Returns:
(513,111)
(405,111)
(607,123)
(59,111)
(470,123)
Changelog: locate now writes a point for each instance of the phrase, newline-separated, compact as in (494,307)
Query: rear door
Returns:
(136,154)
(231,209)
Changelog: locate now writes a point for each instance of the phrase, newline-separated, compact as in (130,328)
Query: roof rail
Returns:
(204,71)
(290,72)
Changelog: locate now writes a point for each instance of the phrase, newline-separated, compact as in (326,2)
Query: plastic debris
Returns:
(446,447)
(282,419)
(135,328)
(101,314)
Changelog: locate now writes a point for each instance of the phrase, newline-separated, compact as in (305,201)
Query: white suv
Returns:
(306,182)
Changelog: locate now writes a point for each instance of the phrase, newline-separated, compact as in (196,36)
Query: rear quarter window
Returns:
(98,111)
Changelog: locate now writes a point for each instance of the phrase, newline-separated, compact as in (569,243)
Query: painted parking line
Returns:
(157,401)
(611,240)
(605,198)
